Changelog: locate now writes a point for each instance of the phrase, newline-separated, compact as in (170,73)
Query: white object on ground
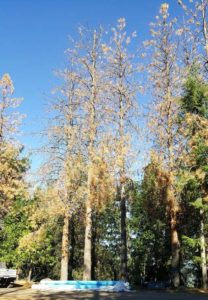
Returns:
(120,286)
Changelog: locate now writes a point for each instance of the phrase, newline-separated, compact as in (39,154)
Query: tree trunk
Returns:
(203,253)
(175,249)
(115,275)
(123,271)
(173,206)
(17,274)
(88,242)
(93,252)
(65,249)
(87,274)
(29,277)
(72,246)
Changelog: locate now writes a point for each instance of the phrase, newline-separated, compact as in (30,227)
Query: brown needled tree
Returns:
(165,79)
(122,69)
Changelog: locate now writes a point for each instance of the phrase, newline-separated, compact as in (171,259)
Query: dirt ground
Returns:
(29,294)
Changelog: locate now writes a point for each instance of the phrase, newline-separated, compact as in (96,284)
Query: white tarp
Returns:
(118,287)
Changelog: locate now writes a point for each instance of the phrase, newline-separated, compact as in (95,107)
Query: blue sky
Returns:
(34,35)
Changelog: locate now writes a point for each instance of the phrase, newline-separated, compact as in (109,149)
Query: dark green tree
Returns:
(194,168)
(149,224)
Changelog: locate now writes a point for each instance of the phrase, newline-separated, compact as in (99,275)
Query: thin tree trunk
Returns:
(123,250)
(203,253)
(93,252)
(72,249)
(123,271)
(204,24)
(88,243)
(175,249)
(29,277)
(175,243)
(115,277)
(87,274)
(65,249)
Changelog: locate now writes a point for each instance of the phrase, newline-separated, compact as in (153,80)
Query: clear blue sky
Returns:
(34,35)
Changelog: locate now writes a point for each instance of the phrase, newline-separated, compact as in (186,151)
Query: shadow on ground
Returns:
(29,294)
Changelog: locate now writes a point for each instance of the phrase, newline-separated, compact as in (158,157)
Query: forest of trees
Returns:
(123,190)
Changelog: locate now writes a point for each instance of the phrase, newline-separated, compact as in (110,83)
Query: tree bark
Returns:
(175,249)
(65,249)
(203,253)
(175,243)
(173,206)
(123,250)
(93,252)
(88,243)
(29,277)
(123,271)
(72,248)
(87,274)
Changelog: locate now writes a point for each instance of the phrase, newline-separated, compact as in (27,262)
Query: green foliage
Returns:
(37,254)
(14,227)
(106,236)
(191,242)
(197,203)
(150,247)
(194,168)
(195,95)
